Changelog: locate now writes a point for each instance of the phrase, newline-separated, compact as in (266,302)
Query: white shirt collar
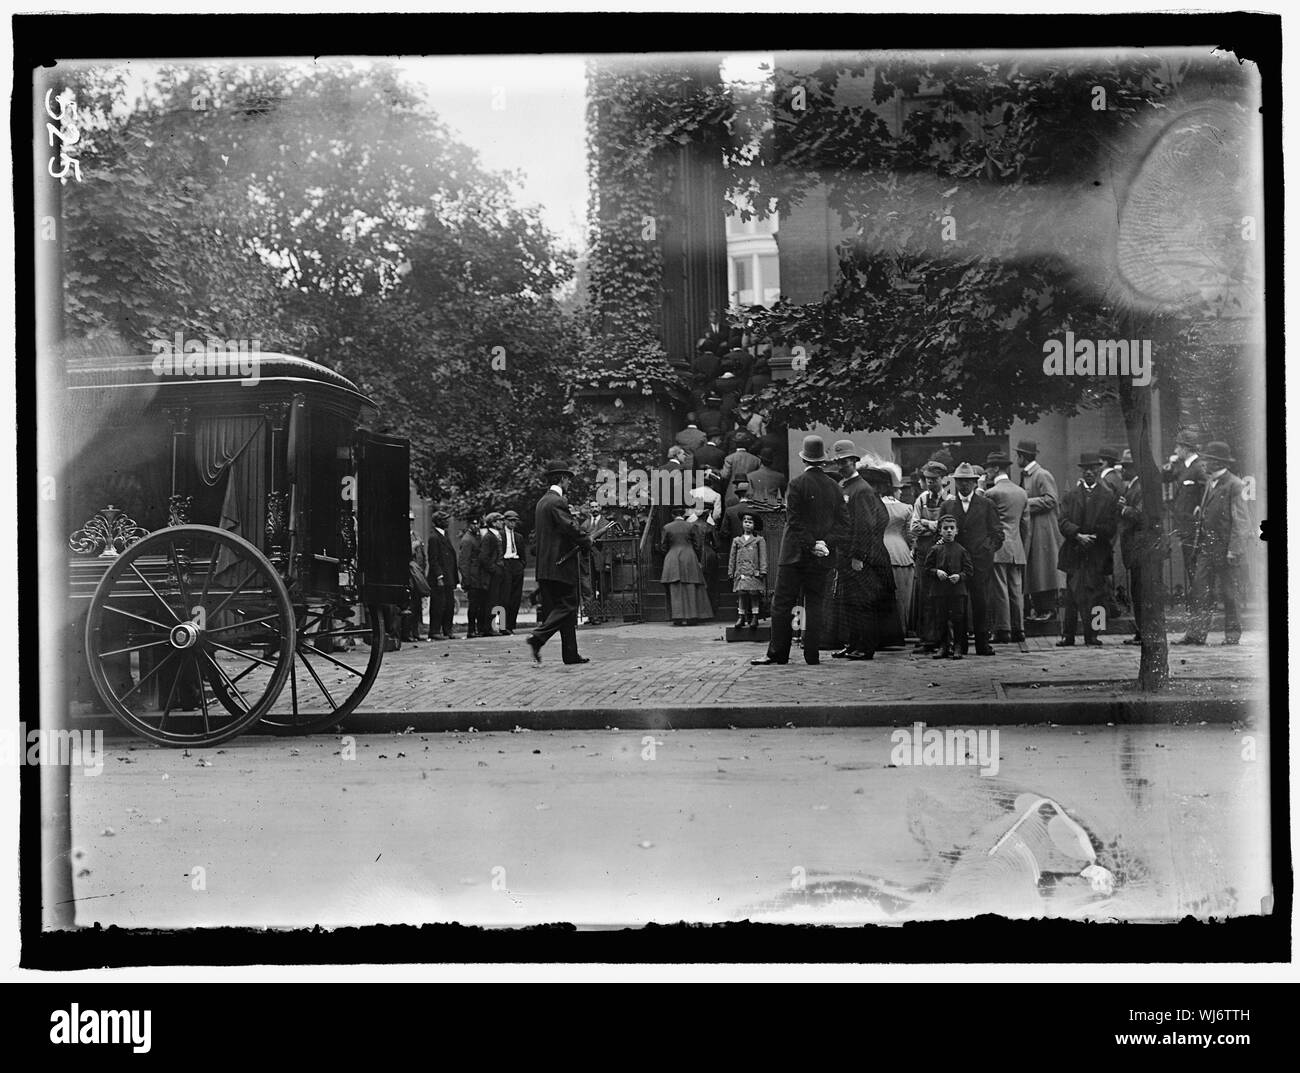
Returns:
(1001,477)
(557,490)
(1029,466)
(1191,459)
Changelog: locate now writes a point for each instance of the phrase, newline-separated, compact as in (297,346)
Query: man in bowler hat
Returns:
(558,541)
(816,522)
(1223,537)
(1089,515)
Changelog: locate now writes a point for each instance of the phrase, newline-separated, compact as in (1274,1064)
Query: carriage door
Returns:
(383,529)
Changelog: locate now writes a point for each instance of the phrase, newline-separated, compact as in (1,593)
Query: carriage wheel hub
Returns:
(184,635)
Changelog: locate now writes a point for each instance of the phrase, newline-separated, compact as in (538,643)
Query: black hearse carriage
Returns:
(243,528)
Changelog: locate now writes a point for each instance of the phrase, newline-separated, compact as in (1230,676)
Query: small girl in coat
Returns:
(748,568)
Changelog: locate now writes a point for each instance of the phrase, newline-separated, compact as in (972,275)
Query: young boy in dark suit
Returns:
(949,567)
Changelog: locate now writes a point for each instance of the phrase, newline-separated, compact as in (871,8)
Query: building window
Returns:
(753,267)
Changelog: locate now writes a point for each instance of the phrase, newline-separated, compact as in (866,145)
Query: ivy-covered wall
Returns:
(656,247)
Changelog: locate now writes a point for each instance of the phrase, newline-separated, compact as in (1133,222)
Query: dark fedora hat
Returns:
(1187,438)
(1090,458)
(997,458)
(1027,447)
(1108,454)
(814,450)
(556,465)
(1218,451)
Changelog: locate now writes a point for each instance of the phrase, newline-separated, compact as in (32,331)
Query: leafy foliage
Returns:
(327,212)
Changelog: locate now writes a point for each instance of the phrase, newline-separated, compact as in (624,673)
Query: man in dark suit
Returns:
(740,462)
(492,553)
(816,523)
(558,535)
(710,416)
(1223,540)
(979,531)
(690,439)
(516,559)
(1186,472)
(1131,525)
(706,368)
(1088,519)
(767,483)
(473,578)
(444,574)
(710,456)
(1112,477)
(716,331)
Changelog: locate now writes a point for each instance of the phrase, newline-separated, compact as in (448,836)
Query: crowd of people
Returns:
(963,555)
(976,553)
(487,564)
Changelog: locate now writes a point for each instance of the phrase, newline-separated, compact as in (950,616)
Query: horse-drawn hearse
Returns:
(241,536)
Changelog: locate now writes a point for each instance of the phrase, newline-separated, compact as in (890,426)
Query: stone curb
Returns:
(1089,711)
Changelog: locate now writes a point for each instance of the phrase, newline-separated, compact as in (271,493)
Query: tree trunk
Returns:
(1153,672)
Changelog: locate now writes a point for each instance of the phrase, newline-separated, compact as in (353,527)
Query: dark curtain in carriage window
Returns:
(230,454)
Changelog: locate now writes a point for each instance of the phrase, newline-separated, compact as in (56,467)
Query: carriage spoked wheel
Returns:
(331,673)
(176,627)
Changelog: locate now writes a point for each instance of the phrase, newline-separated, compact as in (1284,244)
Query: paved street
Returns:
(785,801)
(617,826)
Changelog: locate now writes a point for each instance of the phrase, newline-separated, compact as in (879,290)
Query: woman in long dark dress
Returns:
(688,600)
(883,601)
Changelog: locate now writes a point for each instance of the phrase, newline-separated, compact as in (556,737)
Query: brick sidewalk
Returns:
(657,676)
(655,666)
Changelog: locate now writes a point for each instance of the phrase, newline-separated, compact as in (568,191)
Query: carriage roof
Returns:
(276,374)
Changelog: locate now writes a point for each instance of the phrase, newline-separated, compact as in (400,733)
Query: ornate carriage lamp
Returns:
(106,533)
